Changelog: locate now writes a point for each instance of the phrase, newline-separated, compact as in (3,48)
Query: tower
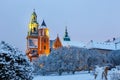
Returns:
(66,36)
(33,25)
(32,37)
(43,40)
(57,44)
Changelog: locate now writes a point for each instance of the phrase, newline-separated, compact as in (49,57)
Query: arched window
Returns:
(34,29)
(44,47)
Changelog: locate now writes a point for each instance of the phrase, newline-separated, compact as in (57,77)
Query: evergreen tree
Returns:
(13,64)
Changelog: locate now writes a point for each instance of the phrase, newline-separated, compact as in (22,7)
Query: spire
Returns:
(66,37)
(33,25)
(34,10)
(34,13)
(66,33)
(34,16)
(43,23)
(57,35)
(57,43)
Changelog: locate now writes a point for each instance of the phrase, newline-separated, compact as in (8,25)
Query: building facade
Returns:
(38,42)
(57,43)
(43,40)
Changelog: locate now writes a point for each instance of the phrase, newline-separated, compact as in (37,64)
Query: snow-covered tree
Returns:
(14,65)
(38,65)
(115,73)
(114,57)
(69,59)
(95,58)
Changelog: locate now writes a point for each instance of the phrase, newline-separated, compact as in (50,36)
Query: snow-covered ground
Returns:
(77,76)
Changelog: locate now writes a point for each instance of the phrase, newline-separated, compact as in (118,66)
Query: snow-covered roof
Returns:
(117,40)
(93,44)
(73,43)
(107,45)
(101,45)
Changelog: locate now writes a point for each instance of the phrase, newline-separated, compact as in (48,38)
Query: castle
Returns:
(38,39)
(39,43)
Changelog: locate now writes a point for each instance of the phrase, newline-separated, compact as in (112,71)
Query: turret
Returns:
(43,40)
(66,36)
(43,24)
(57,43)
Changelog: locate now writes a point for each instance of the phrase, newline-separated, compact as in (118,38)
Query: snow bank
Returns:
(80,76)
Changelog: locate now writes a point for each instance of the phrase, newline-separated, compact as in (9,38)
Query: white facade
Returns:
(73,43)
(111,45)
(101,45)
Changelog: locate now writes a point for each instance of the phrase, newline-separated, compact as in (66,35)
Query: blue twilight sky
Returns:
(87,20)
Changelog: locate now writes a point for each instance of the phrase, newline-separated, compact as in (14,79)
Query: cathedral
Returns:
(38,39)
(39,43)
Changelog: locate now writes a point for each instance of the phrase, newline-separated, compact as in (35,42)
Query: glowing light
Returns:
(47,33)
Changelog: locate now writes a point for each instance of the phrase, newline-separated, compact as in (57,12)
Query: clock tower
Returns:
(32,37)
(38,42)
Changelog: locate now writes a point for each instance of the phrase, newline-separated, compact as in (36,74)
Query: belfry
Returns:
(38,42)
